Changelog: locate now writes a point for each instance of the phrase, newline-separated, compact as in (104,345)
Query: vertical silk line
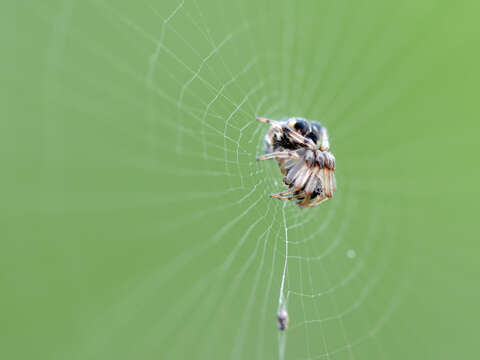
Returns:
(282,340)
(281,298)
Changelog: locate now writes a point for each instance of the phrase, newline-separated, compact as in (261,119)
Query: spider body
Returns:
(300,148)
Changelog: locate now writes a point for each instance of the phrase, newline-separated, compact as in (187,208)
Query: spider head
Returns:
(300,125)
(308,129)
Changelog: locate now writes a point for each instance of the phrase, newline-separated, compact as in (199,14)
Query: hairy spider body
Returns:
(300,148)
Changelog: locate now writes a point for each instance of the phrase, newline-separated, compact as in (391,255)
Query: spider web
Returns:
(231,255)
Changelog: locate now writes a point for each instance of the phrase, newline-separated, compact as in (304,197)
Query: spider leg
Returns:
(279,155)
(300,138)
(312,182)
(323,136)
(304,203)
(297,195)
(314,202)
(282,193)
(324,143)
(268,121)
(285,198)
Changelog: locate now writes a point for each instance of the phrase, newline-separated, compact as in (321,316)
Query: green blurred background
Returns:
(136,223)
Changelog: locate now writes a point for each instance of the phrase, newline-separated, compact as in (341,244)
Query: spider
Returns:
(301,150)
